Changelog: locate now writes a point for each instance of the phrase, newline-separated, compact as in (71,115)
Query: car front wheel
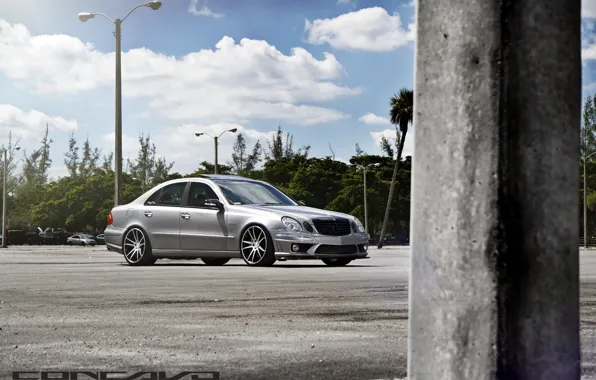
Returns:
(137,248)
(256,247)
(336,262)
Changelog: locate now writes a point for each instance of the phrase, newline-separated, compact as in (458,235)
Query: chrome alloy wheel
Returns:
(254,245)
(134,245)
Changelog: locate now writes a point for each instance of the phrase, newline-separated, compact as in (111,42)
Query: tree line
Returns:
(82,200)
(588,156)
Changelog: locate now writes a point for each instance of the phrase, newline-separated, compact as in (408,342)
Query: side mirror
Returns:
(301,203)
(215,203)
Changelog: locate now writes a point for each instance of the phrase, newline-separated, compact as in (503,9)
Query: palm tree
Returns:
(401,114)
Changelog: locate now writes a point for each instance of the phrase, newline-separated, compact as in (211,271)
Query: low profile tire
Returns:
(336,262)
(137,248)
(214,261)
(256,247)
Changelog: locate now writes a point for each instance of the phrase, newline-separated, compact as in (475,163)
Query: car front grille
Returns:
(332,226)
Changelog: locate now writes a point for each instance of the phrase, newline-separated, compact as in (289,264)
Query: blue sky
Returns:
(322,69)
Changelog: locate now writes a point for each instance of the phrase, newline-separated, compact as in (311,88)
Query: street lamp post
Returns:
(586,203)
(4,194)
(364,170)
(84,17)
(216,141)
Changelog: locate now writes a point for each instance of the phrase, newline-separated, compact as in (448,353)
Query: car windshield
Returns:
(248,192)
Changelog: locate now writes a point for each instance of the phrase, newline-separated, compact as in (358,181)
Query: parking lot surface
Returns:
(68,308)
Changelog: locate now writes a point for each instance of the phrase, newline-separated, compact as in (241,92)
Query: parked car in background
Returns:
(220,217)
(81,239)
(100,239)
(33,238)
(16,237)
(47,237)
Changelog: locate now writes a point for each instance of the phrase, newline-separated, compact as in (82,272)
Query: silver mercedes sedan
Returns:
(220,217)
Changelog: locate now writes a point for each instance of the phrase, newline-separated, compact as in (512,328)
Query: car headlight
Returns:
(291,224)
(357,226)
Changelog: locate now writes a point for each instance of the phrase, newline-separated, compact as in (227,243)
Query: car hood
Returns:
(303,212)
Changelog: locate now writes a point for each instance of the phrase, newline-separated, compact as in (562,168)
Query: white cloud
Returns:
(589,53)
(180,145)
(57,172)
(368,29)
(589,8)
(391,136)
(193,8)
(29,126)
(347,2)
(232,83)
(372,119)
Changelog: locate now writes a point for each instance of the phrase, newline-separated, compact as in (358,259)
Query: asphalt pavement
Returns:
(65,308)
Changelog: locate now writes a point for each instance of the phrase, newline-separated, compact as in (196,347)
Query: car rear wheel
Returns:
(137,248)
(256,247)
(336,262)
(214,261)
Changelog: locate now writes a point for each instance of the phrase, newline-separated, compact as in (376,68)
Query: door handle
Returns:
(148,214)
(185,215)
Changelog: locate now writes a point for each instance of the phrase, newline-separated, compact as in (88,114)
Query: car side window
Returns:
(199,193)
(170,195)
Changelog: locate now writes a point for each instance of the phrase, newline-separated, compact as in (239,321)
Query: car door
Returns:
(160,216)
(75,239)
(202,226)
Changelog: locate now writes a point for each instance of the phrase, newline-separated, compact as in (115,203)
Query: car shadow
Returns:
(289,266)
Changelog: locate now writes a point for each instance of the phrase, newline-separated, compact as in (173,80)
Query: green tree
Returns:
(401,115)
(206,167)
(37,164)
(279,149)
(89,160)
(242,161)
(148,168)
(317,181)
(387,147)
(587,154)
(71,160)
(359,152)
(28,191)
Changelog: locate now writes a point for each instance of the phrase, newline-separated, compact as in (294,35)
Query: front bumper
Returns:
(299,246)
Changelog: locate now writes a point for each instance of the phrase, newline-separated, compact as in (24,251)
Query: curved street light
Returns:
(5,164)
(84,17)
(216,140)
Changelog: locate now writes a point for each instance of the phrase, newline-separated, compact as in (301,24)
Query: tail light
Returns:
(110,219)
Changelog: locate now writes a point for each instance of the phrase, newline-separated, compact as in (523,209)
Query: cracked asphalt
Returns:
(64,308)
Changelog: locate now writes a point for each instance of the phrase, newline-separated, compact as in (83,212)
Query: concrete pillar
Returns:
(495,278)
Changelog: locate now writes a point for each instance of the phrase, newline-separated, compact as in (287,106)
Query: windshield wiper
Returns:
(272,203)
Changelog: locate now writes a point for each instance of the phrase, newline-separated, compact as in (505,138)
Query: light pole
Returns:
(586,203)
(364,170)
(216,140)
(84,17)
(4,194)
